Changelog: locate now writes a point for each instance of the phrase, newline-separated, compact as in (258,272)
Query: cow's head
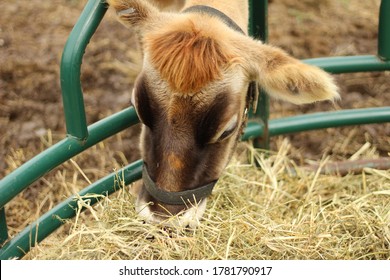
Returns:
(191,98)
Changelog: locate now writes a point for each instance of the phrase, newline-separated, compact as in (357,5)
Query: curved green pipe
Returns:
(319,121)
(18,246)
(384,31)
(72,94)
(29,172)
(350,64)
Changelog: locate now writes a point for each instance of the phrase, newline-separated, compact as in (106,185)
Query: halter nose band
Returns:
(175,198)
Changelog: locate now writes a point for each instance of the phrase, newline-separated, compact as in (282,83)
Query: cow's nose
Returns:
(155,212)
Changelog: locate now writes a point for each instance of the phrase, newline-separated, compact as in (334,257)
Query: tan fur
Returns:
(175,162)
(140,11)
(289,79)
(237,10)
(188,61)
(169,5)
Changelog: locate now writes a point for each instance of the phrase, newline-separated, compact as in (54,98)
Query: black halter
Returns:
(202,9)
(175,198)
(195,195)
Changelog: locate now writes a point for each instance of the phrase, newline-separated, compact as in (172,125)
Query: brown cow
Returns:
(192,96)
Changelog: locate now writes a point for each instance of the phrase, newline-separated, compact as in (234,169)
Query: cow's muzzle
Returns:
(187,197)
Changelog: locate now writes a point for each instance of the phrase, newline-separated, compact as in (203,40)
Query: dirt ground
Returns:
(32,36)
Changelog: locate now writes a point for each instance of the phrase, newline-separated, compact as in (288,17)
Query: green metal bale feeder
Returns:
(80,136)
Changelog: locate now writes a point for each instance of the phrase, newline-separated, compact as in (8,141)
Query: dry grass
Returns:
(267,213)
(258,214)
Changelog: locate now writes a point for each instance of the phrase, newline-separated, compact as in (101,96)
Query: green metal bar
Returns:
(319,121)
(258,28)
(350,64)
(3,226)
(384,31)
(76,44)
(53,219)
(258,19)
(41,164)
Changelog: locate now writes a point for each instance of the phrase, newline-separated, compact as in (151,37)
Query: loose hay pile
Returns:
(277,212)
(252,214)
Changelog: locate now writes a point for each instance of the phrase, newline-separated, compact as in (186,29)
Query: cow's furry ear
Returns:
(283,76)
(134,13)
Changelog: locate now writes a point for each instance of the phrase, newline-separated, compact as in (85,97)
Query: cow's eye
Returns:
(218,122)
(142,103)
(228,129)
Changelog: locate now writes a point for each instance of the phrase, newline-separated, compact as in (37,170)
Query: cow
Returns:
(199,76)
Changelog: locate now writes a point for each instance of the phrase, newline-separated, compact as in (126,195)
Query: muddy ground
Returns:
(32,36)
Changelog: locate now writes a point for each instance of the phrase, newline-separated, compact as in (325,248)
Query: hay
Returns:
(31,106)
(266,213)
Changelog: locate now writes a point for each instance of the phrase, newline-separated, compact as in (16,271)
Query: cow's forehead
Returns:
(233,83)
